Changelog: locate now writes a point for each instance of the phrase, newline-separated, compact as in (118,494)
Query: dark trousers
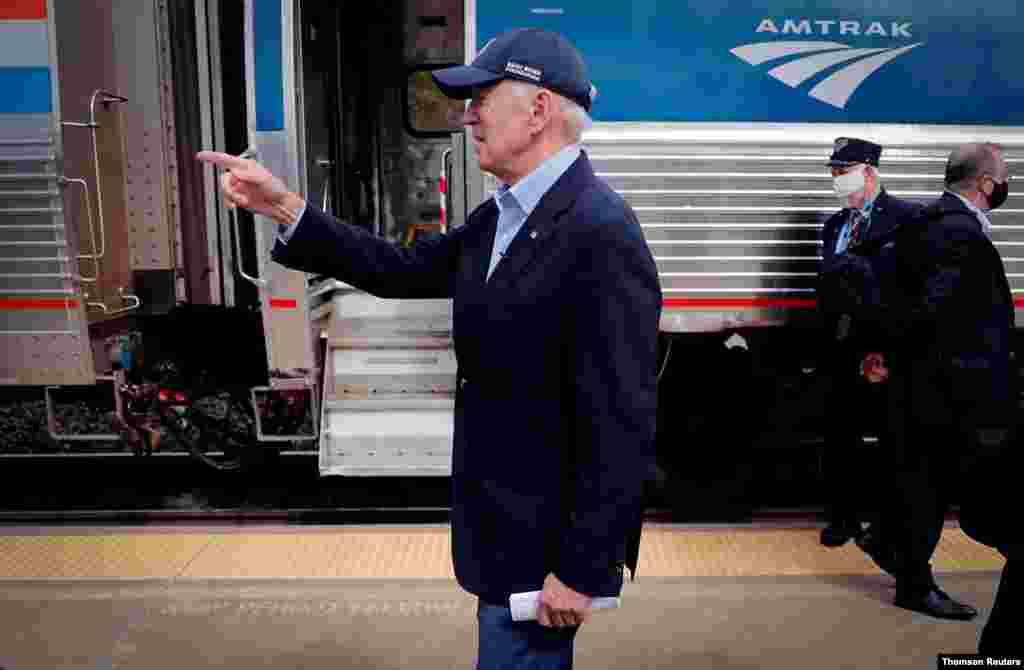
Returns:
(959,460)
(853,408)
(521,645)
(917,495)
(990,514)
(925,476)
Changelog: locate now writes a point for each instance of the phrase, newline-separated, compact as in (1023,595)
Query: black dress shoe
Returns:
(936,603)
(838,534)
(871,544)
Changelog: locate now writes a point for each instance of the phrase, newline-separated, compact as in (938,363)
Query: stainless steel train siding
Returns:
(41,315)
(733,212)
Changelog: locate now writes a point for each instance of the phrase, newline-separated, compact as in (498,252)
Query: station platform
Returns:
(724,597)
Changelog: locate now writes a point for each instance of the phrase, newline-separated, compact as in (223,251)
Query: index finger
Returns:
(223,160)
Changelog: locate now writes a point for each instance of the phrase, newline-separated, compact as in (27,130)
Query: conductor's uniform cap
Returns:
(849,151)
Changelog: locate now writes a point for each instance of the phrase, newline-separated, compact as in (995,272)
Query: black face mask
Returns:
(999,192)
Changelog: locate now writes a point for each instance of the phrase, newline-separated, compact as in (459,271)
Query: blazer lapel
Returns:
(881,224)
(478,247)
(539,226)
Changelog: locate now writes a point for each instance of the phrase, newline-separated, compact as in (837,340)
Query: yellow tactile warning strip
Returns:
(410,553)
(65,555)
(670,552)
(422,552)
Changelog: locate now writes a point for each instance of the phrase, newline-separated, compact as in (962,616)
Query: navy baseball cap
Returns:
(850,150)
(532,55)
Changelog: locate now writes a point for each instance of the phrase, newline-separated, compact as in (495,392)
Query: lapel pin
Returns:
(533,235)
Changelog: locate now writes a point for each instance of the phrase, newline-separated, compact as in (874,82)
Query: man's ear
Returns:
(542,111)
(979,185)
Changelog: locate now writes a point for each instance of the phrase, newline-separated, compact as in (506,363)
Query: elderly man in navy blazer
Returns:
(556,309)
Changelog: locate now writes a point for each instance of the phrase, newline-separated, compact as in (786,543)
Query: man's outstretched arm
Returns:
(319,243)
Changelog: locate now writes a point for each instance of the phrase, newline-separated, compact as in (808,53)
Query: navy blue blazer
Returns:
(555,410)
(888,214)
(955,321)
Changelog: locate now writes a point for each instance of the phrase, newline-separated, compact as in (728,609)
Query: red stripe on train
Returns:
(22,10)
(39,303)
(739,303)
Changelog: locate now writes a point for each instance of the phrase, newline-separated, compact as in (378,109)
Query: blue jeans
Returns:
(521,645)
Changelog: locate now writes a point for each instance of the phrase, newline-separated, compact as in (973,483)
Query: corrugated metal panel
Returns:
(42,322)
(733,212)
(33,243)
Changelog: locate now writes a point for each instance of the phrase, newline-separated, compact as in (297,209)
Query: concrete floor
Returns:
(692,623)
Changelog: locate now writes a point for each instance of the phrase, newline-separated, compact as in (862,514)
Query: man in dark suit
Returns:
(853,348)
(954,380)
(556,310)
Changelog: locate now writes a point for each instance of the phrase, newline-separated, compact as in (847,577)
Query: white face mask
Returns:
(847,184)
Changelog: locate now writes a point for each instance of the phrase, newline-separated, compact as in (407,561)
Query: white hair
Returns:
(576,119)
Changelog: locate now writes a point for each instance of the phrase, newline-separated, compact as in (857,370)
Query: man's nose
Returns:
(470,115)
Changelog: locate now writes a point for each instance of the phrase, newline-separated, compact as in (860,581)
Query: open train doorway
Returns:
(375,126)
(341,128)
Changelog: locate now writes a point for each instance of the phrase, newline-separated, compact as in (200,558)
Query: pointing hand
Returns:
(245,183)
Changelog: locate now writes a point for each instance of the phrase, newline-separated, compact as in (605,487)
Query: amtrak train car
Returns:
(713,119)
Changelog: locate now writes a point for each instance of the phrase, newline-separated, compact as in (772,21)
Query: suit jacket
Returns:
(954,322)
(555,410)
(888,215)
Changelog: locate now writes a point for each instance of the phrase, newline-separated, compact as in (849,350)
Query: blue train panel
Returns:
(28,90)
(269,80)
(826,61)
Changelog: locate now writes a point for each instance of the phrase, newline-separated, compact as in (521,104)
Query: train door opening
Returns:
(375,126)
(341,76)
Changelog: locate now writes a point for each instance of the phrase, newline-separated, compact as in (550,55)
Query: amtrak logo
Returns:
(817,56)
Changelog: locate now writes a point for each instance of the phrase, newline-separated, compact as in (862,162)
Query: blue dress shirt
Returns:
(517,202)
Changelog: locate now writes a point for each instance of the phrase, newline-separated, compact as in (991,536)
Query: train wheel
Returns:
(218,428)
